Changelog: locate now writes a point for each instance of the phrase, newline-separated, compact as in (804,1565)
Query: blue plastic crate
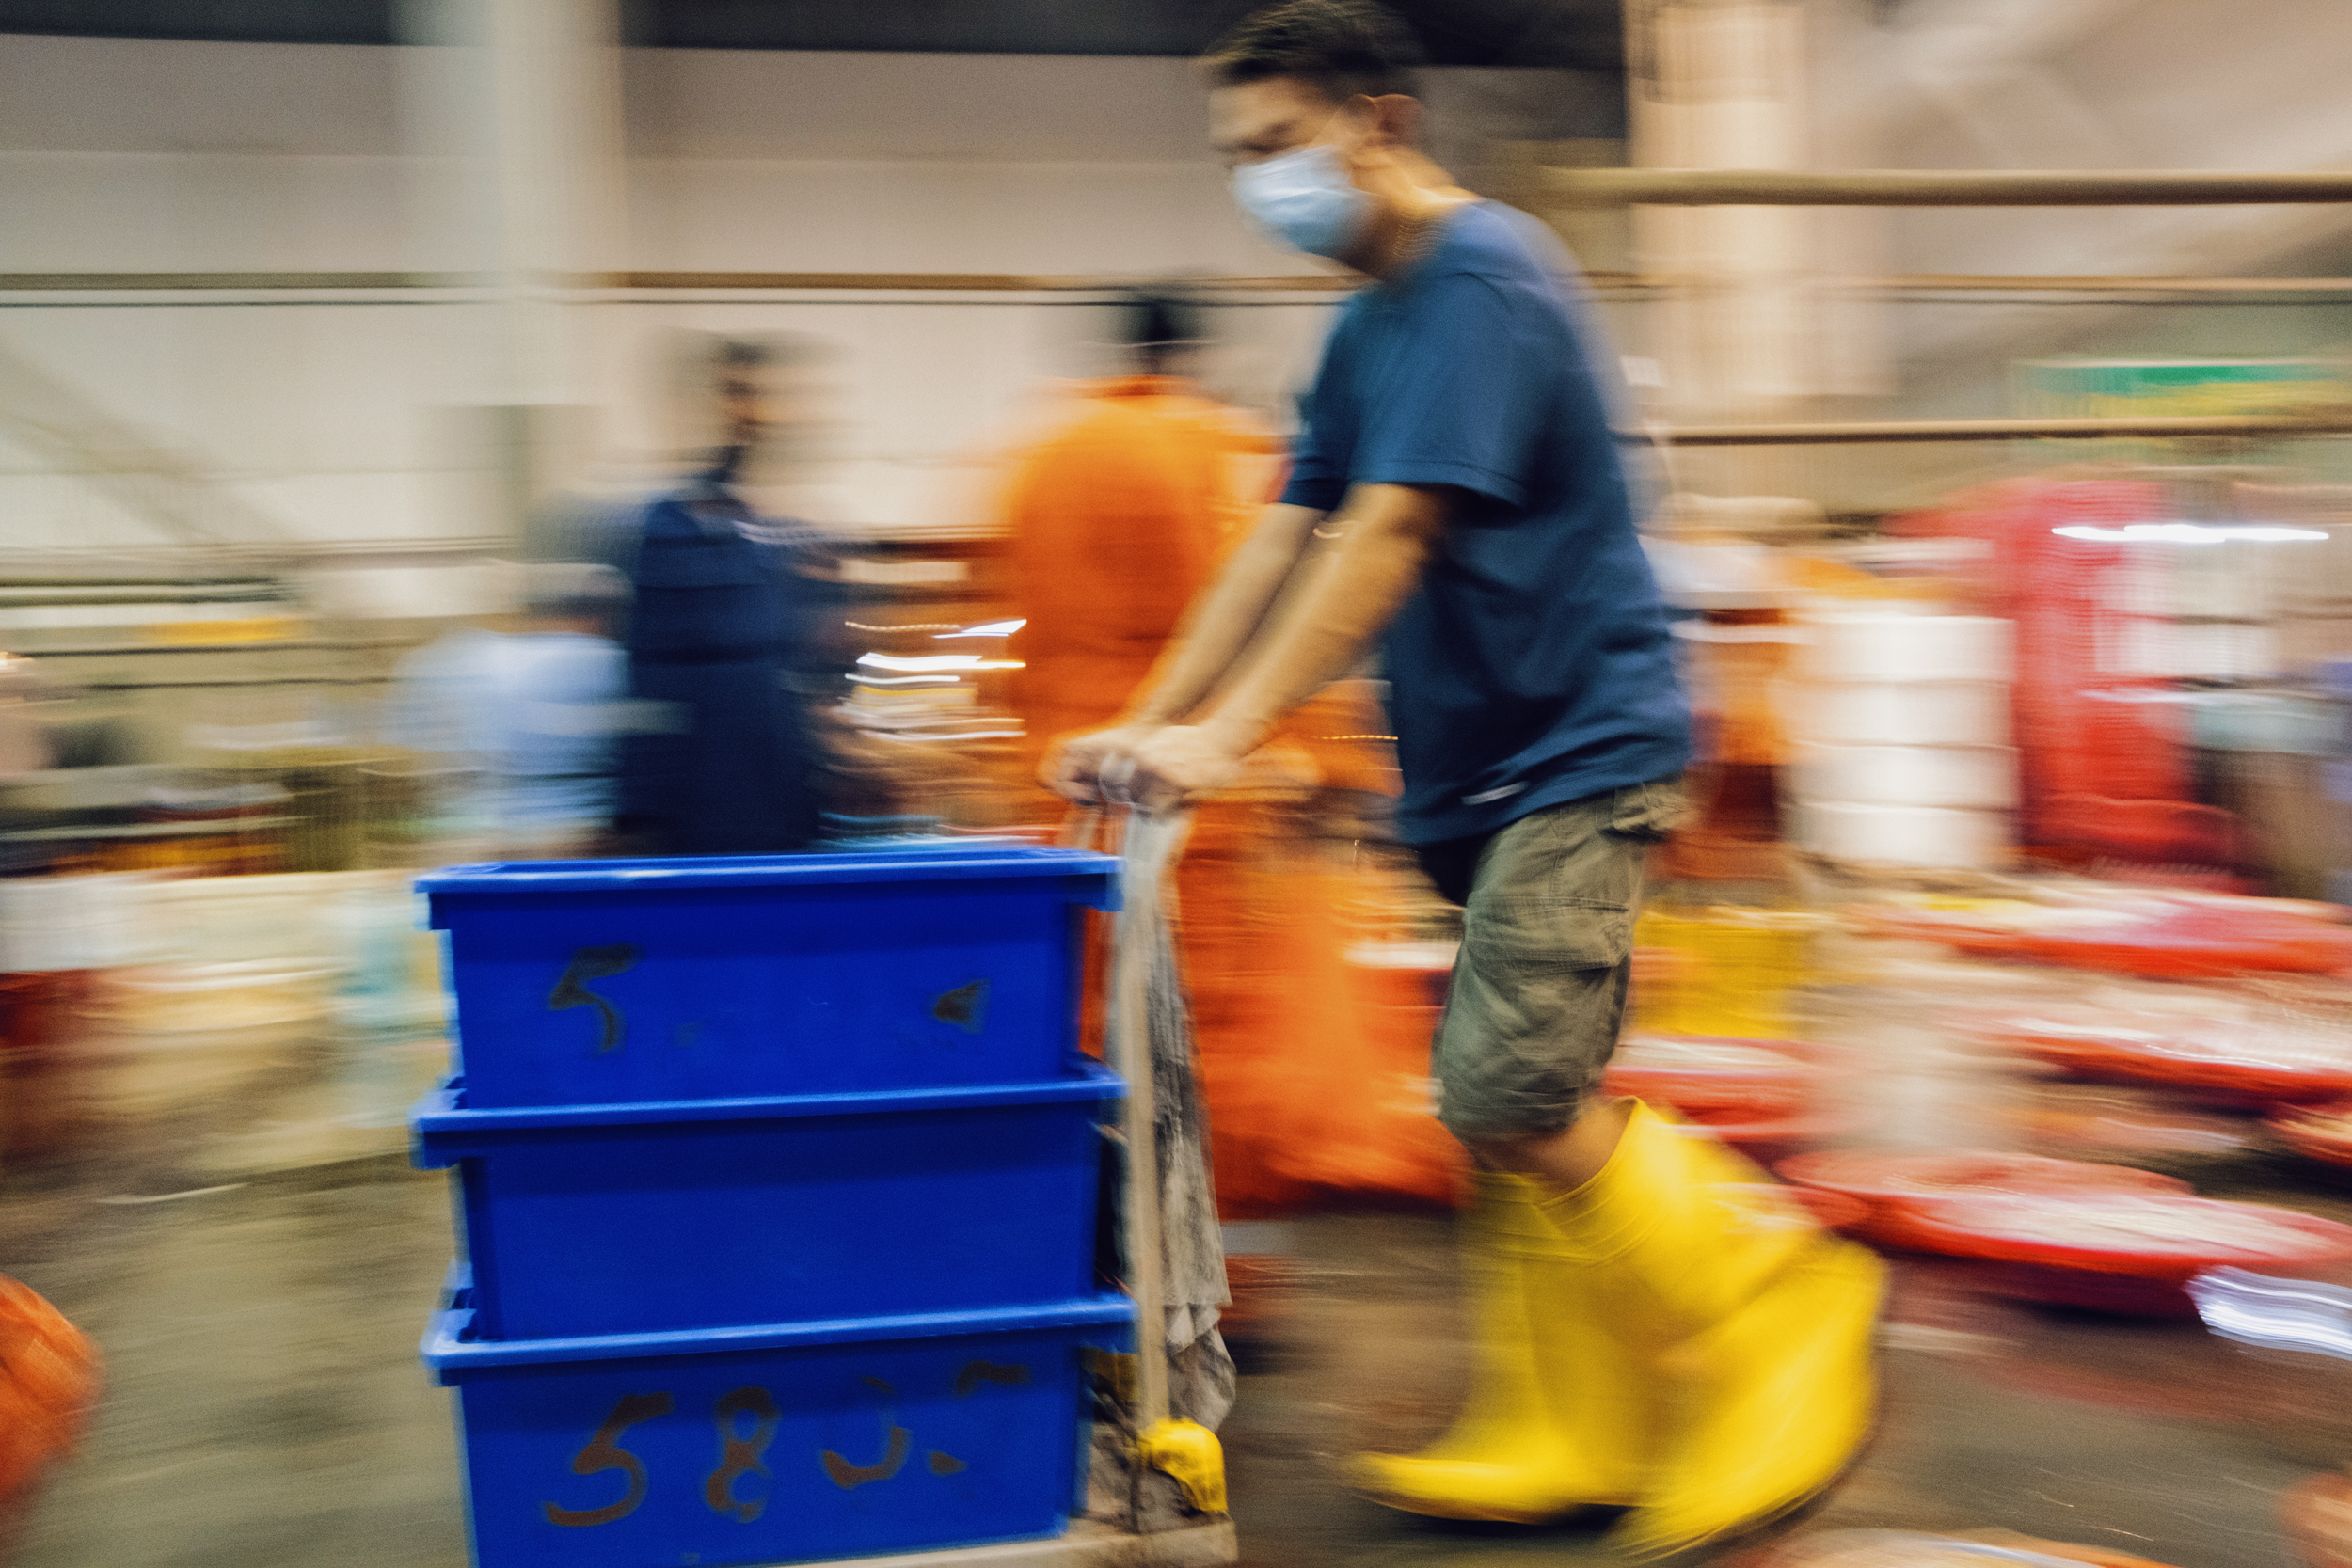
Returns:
(776,1444)
(582,982)
(703,1213)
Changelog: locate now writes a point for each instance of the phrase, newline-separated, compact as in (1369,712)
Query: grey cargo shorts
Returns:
(1547,955)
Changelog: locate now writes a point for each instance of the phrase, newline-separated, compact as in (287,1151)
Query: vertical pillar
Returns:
(514,113)
(1718,83)
(1756,327)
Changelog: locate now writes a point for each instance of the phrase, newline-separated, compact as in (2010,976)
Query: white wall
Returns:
(128,156)
(138,155)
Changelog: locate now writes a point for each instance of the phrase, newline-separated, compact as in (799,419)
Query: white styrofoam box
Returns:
(223,920)
(1900,713)
(2188,651)
(1908,648)
(1714,573)
(54,923)
(1979,777)
(1907,835)
(2226,652)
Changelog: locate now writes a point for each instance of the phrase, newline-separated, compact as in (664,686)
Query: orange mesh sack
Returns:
(1261,1028)
(1380,1137)
(1325,1100)
(48,1381)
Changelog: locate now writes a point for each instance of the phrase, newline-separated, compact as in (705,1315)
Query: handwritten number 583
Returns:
(743,1451)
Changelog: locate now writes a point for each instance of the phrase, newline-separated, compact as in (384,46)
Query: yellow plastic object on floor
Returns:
(1770,1373)
(1560,1414)
(1190,1453)
(1736,970)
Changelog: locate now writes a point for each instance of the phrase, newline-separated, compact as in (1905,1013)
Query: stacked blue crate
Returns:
(776,1177)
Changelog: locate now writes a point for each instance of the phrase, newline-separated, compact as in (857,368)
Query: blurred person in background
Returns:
(1118,517)
(724,620)
(1658,1326)
(561,681)
(534,705)
(1115,520)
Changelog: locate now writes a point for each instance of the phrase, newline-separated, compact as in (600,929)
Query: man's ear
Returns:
(1359,125)
(1396,119)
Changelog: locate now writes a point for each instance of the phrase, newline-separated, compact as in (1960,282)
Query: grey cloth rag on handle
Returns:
(1201,1373)
(1192,1245)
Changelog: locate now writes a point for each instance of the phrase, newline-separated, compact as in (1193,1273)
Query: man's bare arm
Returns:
(1347,594)
(1216,629)
(1220,623)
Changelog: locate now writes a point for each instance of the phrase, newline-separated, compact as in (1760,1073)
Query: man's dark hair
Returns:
(783,350)
(1341,48)
(707,362)
(742,354)
(1156,323)
(716,353)
(1154,320)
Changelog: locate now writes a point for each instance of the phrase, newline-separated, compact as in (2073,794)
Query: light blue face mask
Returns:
(1304,199)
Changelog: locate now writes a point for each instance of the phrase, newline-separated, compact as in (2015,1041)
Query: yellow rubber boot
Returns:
(1771,1373)
(1559,1416)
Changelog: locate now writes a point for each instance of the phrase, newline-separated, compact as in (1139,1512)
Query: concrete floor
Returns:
(2154,1439)
(265,1409)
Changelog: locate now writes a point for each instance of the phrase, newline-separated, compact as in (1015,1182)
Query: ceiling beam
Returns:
(1881,187)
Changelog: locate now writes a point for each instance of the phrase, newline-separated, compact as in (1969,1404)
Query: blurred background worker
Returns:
(1115,520)
(529,709)
(722,620)
(563,680)
(1118,517)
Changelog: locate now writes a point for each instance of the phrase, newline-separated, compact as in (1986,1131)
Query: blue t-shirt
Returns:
(1533,666)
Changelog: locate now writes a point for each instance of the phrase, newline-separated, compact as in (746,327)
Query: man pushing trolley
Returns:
(1658,1327)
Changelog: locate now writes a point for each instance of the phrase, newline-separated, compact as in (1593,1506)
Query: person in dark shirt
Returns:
(720,623)
(1660,1326)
